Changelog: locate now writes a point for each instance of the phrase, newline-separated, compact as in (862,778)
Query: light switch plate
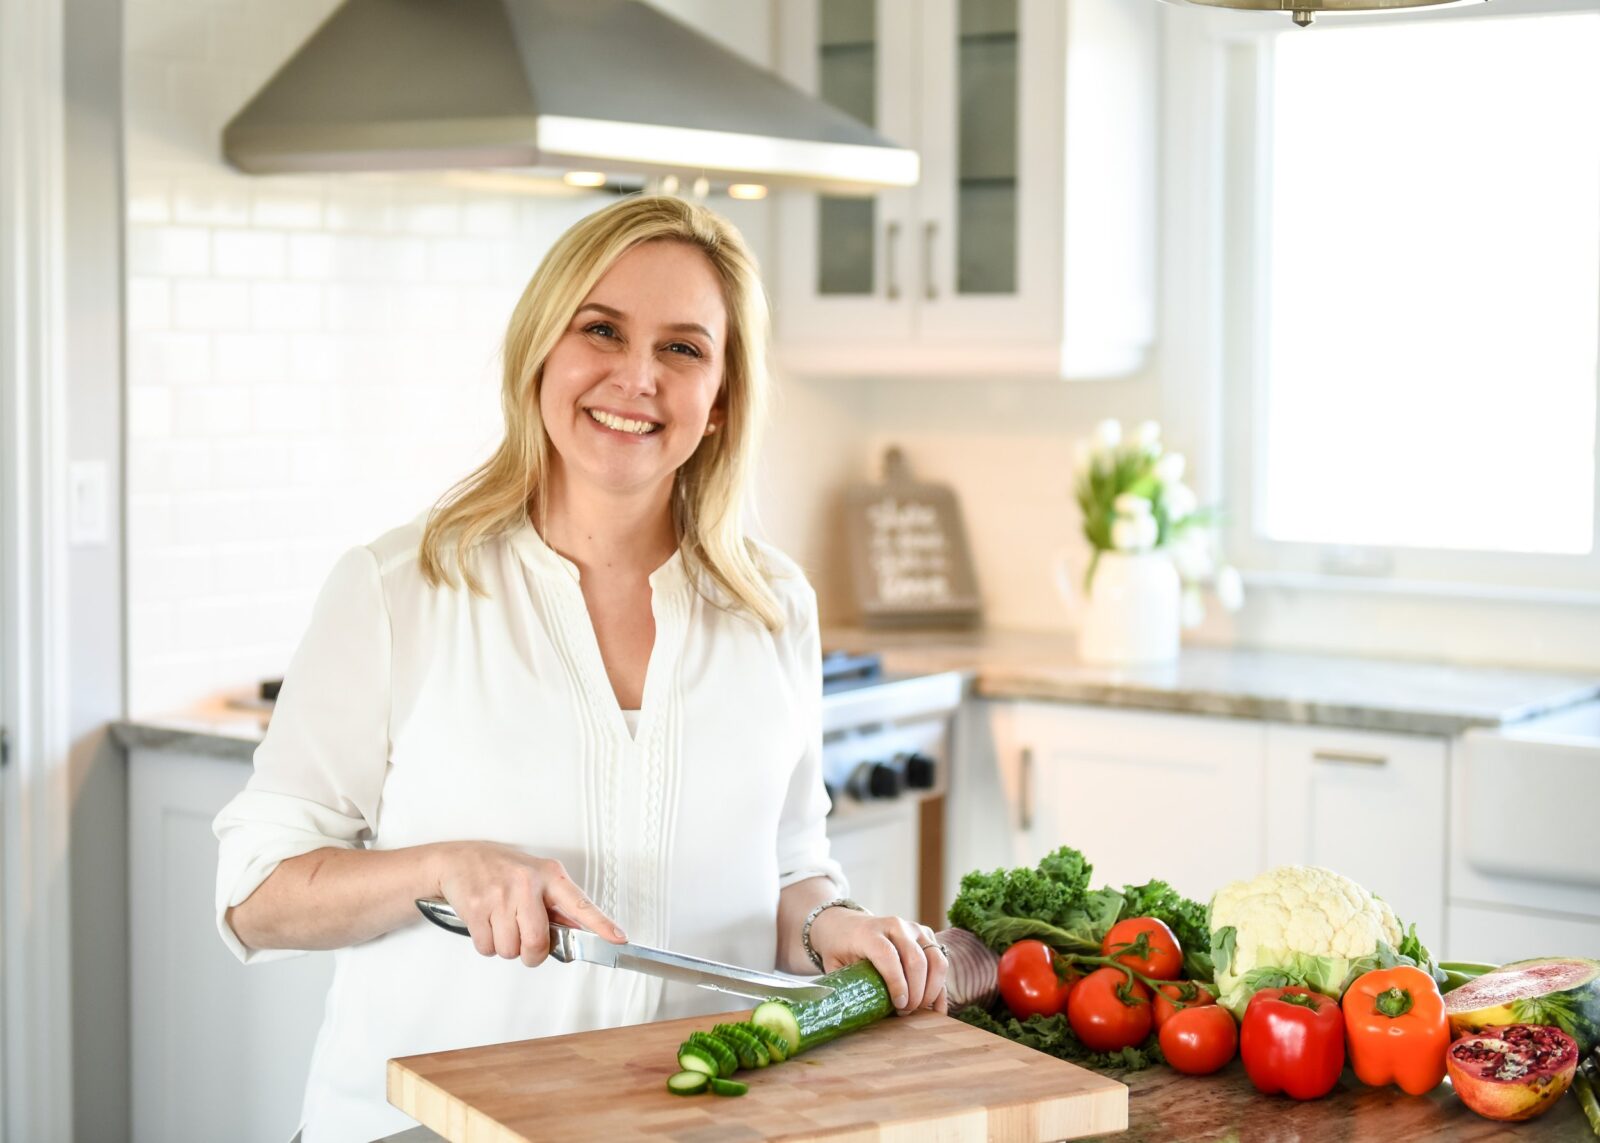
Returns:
(88,510)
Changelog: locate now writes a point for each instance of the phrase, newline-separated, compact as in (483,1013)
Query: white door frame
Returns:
(35,796)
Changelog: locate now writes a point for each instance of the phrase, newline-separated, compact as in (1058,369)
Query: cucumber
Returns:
(694,1058)
(688,1083)
(721,1051)
(777,1046)
(727,1087)
(859,998)
(745,1042)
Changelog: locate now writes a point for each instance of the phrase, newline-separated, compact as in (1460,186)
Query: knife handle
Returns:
(443,914)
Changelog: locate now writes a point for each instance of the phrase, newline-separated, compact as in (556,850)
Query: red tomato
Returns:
(1145,945)
(1108,1012)
(1029,982)
(1198,1041)
(1172,998)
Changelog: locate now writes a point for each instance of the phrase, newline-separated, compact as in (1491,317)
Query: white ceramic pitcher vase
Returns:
(1133,610)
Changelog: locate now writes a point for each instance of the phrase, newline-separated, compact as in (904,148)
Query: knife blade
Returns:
(570,945)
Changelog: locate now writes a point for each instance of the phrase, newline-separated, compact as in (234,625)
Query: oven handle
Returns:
(1025,791)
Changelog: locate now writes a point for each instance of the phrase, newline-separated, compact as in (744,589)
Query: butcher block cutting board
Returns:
(920,1077)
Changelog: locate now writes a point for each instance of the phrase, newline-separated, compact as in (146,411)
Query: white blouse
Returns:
(411,714)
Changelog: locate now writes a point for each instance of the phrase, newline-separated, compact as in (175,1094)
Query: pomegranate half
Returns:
(1512,1072)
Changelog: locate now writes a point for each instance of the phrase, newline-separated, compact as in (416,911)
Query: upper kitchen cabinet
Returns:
(1027,248)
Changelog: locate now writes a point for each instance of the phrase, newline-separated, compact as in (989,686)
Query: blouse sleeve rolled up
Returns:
(319,771)
(802,828)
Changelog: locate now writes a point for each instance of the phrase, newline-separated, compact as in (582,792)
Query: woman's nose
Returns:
(635,375)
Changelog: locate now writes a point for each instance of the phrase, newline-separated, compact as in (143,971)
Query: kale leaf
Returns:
(1054,1036)
(1186,919)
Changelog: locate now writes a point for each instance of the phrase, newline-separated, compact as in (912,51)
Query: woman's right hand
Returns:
(509,898)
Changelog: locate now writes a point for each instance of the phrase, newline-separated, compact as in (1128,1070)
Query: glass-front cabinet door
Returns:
(845,259)
(981,216)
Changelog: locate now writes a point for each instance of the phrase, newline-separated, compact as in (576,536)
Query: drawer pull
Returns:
(891,243)
(1025,791)
(1351,757)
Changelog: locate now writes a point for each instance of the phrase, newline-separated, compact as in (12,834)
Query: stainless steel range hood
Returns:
(607,85)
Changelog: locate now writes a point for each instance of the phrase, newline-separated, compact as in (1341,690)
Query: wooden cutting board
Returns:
(920,1077)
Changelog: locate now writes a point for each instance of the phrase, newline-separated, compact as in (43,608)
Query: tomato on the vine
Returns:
(1108,1011)
(1030,982)
(1146,945)
(1199,1041)
(1177,996)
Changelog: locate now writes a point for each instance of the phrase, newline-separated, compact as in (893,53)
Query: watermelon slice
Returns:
(1560,992)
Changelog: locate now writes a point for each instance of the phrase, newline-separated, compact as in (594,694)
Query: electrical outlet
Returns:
(88,513)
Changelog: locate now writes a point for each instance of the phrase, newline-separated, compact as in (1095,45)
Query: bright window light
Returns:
(1434,286)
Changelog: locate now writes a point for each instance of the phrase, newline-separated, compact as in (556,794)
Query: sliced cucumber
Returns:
(693,1058)
(727,1087)
(688,1083)
(777,1046)
(721,1051)
(751,1048)
(859,998)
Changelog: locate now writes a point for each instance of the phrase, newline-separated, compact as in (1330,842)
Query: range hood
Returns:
(614,86)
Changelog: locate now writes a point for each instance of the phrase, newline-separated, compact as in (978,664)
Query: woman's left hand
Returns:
(905,954)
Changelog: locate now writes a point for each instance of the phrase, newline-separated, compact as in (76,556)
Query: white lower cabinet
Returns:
(1199,801)
(1498,935)
(220,1050)
(1371,806)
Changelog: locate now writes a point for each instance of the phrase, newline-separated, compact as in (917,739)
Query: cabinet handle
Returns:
(929,232)
(891,239)
(1350,756)
(1025,791)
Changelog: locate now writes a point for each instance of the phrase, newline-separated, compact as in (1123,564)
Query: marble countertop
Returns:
(1279,686)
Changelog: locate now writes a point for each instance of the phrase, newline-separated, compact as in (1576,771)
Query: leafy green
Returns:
(1222,946)
(1054,1036)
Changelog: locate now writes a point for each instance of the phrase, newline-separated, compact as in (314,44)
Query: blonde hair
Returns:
(708,489)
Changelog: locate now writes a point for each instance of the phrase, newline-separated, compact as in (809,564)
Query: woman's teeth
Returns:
(622,424)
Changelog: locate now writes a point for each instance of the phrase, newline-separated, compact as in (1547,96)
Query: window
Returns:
(1416,373)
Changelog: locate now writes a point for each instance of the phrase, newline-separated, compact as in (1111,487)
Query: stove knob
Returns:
(885,781)
(921,771)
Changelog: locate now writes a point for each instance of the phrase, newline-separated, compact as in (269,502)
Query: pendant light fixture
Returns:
(1305,11)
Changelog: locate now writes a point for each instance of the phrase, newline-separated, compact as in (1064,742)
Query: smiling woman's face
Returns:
(630,387)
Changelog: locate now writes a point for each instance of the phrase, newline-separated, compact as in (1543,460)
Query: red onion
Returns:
(974,970)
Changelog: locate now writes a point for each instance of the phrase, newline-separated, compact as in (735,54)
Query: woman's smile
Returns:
(623,424)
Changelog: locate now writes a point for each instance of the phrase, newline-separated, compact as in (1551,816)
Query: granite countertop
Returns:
(1279,686)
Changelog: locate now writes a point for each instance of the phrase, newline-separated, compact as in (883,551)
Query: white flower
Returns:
(1083,457)
(1148,436)
(1108,434)
(1169,469)
(1191,555)
(1194,607)
(1134,533)
(1132,504)
(1180,501)
(1230,587)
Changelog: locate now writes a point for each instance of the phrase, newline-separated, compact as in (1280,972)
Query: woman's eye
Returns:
(600,329)
(684,348)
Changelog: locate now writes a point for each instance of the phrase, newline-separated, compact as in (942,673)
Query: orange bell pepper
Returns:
(1396,1029)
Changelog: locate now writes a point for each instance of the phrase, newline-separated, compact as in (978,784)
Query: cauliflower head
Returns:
(1297,924)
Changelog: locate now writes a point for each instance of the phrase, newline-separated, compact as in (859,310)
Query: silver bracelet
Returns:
(805,929)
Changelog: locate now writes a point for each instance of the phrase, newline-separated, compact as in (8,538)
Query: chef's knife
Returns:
(569,944)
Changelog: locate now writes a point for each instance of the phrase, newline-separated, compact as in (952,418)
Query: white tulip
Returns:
(1108,434)
(1180,501)
(1230,587)
(1134,533)
(1191,555)
(1194,607)
(1169,469)
(1148,436)
(1132,504)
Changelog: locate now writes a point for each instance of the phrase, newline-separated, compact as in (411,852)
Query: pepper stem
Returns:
(1393,1001)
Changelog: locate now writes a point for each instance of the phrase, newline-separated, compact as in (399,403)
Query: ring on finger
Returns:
(944,952)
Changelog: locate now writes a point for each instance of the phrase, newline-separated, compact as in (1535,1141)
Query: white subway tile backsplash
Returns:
(288,409)
(171,574)
(149,200)
(459,259)
(289,306)
(356,308)
(209,411)
(358,205)
(494,218)
(160,358)
(168,251)
(249,253)
(211,306)
(288,209)
(213,204)
(207,518)
(149,304)
(169,466)
(425,211)
(151,519)
(249,465)
(427,309)
(251,358)
(149,411)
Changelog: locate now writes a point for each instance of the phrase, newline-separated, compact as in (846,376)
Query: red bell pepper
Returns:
(1292,1040)
(1395,1023)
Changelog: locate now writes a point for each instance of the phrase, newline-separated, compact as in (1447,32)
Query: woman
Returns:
(575,691)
